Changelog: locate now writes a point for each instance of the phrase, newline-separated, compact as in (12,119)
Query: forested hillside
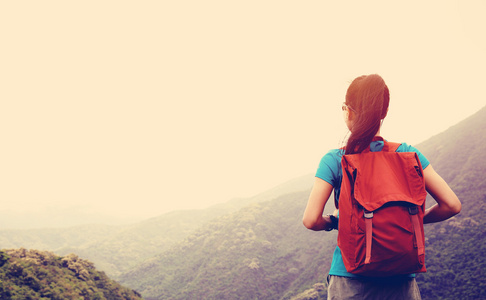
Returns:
(32,274)
(260,252)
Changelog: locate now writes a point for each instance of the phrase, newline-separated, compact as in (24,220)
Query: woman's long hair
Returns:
(368,97)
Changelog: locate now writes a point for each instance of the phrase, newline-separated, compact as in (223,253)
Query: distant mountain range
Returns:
(115,249)
(257,248)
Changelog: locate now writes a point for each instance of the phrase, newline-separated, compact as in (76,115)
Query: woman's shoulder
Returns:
(330,167)
(404,147)
(336,152)
(333,155)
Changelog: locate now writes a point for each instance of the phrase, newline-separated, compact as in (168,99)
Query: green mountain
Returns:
(264,252)
(33,274)
(256,253)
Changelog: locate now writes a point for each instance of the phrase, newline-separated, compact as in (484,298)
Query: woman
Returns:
(366,106)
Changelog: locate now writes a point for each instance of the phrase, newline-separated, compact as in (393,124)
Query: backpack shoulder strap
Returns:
(392,147)
(389,146)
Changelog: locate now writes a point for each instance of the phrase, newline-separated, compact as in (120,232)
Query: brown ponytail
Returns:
(369,97)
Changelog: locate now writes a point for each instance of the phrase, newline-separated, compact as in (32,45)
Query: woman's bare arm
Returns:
(319,195)
(447,205)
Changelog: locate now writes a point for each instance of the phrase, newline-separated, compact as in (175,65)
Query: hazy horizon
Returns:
(132,110)
(66,216)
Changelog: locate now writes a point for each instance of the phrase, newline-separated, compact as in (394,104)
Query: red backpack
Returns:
(381,210)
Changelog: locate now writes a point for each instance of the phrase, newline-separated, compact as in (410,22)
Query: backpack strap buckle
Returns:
(413,210)
(417,228)
(368,214)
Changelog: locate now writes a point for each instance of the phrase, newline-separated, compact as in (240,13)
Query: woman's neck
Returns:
(378,133)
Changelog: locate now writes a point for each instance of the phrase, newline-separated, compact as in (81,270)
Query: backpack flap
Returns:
(383,177)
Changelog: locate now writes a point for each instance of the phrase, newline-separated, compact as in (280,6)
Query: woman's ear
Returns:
(350,115)
(348,118)
(346,115)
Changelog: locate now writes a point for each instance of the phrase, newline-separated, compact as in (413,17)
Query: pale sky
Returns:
(137,108)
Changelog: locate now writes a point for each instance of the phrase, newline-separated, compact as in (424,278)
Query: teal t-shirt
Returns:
(330,171)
